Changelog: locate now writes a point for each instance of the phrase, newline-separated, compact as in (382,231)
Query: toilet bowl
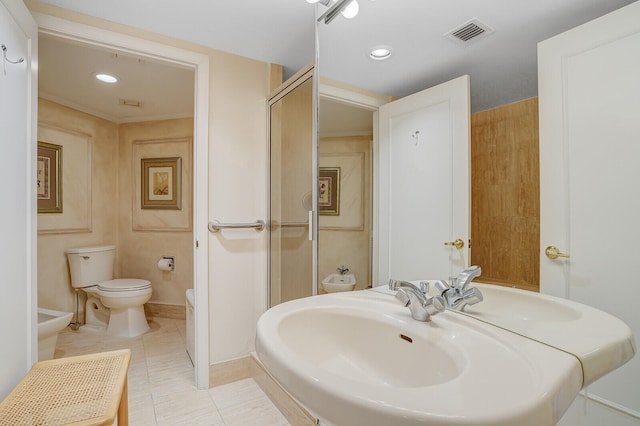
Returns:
(125,298)
(119,301)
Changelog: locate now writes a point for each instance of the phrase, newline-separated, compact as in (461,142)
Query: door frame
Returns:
(200,64)
(26,355)
(369,102)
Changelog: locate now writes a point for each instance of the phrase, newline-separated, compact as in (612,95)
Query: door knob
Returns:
(553,252)
(458,243)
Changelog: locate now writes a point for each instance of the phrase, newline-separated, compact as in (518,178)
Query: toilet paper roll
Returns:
(165,265)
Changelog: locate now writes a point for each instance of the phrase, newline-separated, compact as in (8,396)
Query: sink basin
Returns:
(601,341)
(338,282)
(359,358)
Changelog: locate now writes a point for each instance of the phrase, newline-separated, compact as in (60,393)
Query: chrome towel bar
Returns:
(216,226)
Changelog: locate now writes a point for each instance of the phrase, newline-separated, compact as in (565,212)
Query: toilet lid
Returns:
(124,284)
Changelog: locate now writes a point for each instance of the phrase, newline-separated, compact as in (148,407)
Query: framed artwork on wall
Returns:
(329,191)
(49,178)
(161,186)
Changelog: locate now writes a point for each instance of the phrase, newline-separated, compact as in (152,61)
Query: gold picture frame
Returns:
(329,191)
(49,178)
(161,183)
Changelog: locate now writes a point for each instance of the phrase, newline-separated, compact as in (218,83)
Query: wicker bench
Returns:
(81,390)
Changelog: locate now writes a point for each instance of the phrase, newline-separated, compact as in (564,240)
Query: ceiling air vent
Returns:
(469,32)
(131,102)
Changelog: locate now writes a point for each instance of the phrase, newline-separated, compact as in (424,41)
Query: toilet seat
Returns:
(124,284)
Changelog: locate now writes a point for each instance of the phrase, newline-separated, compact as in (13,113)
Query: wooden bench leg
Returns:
(123,408)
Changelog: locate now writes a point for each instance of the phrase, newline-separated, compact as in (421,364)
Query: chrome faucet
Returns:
(396,284)
(457,295)
(343,270)
(421,305)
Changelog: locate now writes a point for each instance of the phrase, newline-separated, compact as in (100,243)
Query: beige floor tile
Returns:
(244,403)
(141,410)
(193,407)
(161,383)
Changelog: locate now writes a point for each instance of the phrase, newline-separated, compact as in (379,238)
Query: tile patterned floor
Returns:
(161,381)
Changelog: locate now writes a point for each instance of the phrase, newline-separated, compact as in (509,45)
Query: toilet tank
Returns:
(91,265)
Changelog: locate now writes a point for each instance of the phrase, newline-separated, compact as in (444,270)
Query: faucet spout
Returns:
(421,306)
(396,284)
(415,297)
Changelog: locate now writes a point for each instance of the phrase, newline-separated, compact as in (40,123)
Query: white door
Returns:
(423,184)
(589,88)
(18,88)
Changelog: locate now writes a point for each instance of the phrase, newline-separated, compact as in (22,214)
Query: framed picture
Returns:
(49,178)
(329,191)
(161,183)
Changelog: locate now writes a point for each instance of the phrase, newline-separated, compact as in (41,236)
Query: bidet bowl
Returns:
(359,358)
(334,283)
(50,324)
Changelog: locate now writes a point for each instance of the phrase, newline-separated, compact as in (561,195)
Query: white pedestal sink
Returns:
(599,340)
(359,358)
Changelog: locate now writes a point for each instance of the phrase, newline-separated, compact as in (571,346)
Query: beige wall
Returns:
(165,232)
(113,206)
(238,90)
(54,284)
(346,239)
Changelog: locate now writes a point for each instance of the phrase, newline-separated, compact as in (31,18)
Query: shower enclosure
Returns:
(292,201)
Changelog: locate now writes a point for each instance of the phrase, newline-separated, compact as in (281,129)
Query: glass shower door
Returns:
(292,155)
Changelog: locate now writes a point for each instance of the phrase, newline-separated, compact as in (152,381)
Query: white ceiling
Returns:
(66,76)
(502,66)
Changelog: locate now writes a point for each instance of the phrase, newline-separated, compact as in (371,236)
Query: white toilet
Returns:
(123,299)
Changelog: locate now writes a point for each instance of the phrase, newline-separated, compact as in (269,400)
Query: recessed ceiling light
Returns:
(107,78)
(380,53)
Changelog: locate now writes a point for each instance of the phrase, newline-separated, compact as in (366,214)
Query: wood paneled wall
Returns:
(505,195)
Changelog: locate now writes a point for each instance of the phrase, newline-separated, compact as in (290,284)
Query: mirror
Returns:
(345,216)
(501,76)
(424,52)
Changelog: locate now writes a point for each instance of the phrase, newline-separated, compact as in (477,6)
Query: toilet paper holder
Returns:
(167,263)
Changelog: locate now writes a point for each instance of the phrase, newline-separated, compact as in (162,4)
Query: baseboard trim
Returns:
(292,410)
(162,310)
(250,367)
(229,371)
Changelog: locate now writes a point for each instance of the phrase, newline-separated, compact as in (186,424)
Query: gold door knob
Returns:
(458,243)
(553,252)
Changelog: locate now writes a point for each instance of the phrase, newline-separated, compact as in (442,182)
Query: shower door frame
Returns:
(285,88)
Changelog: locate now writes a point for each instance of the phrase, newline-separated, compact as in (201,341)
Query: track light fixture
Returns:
(348,8)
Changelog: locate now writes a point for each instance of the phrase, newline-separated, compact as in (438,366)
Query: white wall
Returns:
(17,227)
(237,173)
(237,91)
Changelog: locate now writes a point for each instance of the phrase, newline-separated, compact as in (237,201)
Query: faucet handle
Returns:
(421,307)
(441,286)
(466,276)
(403,297)
(393,284)
(472,296)
(435,305)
